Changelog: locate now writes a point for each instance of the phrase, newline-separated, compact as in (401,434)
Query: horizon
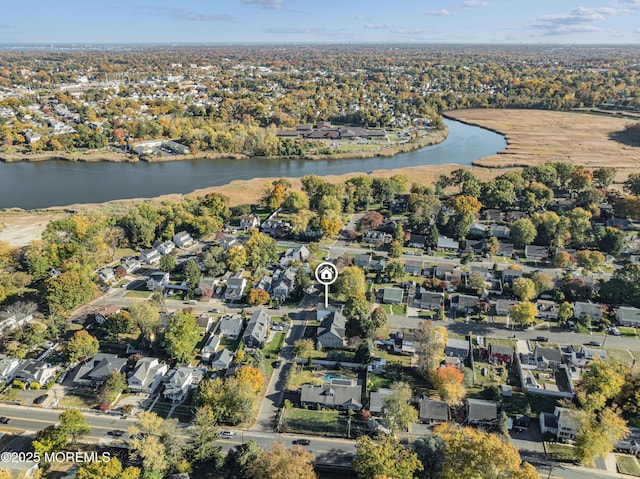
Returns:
(285,22)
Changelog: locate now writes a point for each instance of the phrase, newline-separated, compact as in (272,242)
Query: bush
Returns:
(34,385)
(18,384)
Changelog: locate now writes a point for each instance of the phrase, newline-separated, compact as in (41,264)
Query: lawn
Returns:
(79,398)
(621,355)
(628,332)
(628,465)
(138,294)
(517,403)
(393,358)
(560,452)
(273,347)
(323,423)
(396,309)
(306,376)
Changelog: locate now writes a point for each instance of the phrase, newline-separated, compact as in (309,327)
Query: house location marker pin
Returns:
(326,273)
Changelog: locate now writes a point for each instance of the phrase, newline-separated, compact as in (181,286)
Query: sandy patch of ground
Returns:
(22,227)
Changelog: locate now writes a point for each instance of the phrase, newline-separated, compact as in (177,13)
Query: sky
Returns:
(321,21)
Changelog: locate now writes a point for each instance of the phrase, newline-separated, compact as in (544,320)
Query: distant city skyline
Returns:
(330,21)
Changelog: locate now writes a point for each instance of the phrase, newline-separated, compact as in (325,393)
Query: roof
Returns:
(257,327)
(448,243)
(223,358)
(333,394)
(99,367)
(393,294)
(431,297)
(432,409)
(500,349)
(377,398)
(457,348)
(334,324)
(547,354)
(466,301)
(480,410)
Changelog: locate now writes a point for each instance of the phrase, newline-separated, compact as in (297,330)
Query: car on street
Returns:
(227,434)
(592,343)
(542,339)
(4,420)
(41,399)
(117,433)
(302,442)
(614,331)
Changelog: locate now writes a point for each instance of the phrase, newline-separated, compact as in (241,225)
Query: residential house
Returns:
(481,412)
(631,443)
(96,370)
(628,316)
(102,313)
(264,284)
(182,239)
(505,249)
(166,247)
(377,398)
(257,329)
(222,359)
(431,300)
(206,322)
(538,253)
(547,309)
(149,256)
(179,381)
(373,236)
(589,354)
(503,306)
(8,369)
(106,275)
(205,287)
(210,347)
(433,411)
(339,394)
(477,230)
(147,375)
(32,370)
(493,215)
(14,321)
(413,267)
(457,348)
(235,286)
(563,423)
(276,228)
(417,241)
(510,275)
(404,343)
(444,269)
(546,358)
(248,222)
(392,295)
(127,267)
(464,303)
(157,280)
(500,354)
(363,260)
(230,241)
(500,231)
(230,327)
(447,244)
(300,254)
(582,308)
(283,284)
(331,332)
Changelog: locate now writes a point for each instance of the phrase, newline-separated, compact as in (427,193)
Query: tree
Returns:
(398,410)
(115,383)
(258,297)
(191,273)
(350,282)
(238,460)
(167,263)
(81,345)
(303,348)
(359,324)
(261,249)
(331,223)
(371,220)
(35,335)
(118,323)
(301,283)
(600,382)
(565,312)
(604,176)
(579,226)
(379,317)
(296,201)
(597,437)
(431,341)
(394,270)
(252,377)
(111,469)
(69,290)
(395,249)
(629,396)
(476,282)
(146,316)
(278,462)
(236,258)
(543,282)
(49,439)
(448,382)
(613,241)
(476,454)
(430,451)
(73,422)
(632,184)
(275,196)
(561,259)
(590,260)
(523,313)
(523,232)
(524,288)
(204,434)
(385,457)
(182,335)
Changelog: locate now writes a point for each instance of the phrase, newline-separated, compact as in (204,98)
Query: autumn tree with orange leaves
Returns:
(448,381)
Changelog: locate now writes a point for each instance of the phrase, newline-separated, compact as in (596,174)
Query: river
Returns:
(31,185)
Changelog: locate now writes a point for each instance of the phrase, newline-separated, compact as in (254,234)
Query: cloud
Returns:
(441,13)
(628,3)
(474,4)
(270,4)
(383,26)
(184,15)
(297,31)
(410,31)
(579,19)
(362,18)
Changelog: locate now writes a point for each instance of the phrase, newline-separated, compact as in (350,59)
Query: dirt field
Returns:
(533,137)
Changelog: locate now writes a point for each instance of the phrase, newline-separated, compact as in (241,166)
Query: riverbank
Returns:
(111,155)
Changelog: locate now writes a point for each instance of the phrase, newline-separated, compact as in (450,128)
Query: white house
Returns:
(147,375)
(8,369)
(166,248)
(230,327)
(182,239)
(249,221)
(628,316)
(156,280)
(32,370)
(106,275)
(210,347)
(563,423)
(222,359)
(149,256)
(179,381)
(104,311)
(235,286)
(14,321)
(581,308)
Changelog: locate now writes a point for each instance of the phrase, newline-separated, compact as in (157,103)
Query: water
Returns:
(31,185)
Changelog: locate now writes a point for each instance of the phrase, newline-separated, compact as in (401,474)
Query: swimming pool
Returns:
(331,376)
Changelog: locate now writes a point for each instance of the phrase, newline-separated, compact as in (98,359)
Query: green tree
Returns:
(430,450)
(385,458)
(73,422)
(561,259)
(632,184)
(69,290)
(600,382)
(204,434)
(590,260)
(49,439)
(597,437)
(116,382)
(81,345)
(261,249)
(146,316)
(524,288)
(238,460)
(118,323)
(395,249)
(350,282)
(431,341)
(565,312)
(296,201)
(191,273)
(604,176)
(35,335)
(543,282)
(303,348)
(523,232)
(236,258)
(167,263)
(301,283)
(398,410)
(182,335)
(111,469)
(523,313)
(379,317)
(394,270)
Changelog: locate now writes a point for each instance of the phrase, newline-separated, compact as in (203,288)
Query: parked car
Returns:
(592,343)
(614,331)
(4,420)
(227,434)
(41,399)
(302,442)
(117,433)
(542,339)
